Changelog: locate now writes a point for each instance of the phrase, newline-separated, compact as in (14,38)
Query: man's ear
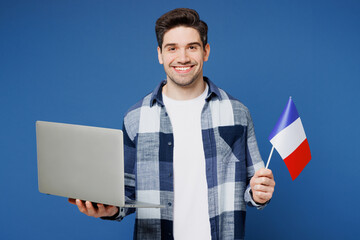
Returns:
(160,55)
(206,52)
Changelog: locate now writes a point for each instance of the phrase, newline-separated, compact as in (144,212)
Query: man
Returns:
(189,146)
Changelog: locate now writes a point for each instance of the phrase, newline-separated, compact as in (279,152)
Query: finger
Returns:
(101,209)
(90,209)
(72,200)
(263,172)
(112,210)
(263,188)
(81,206)
(264,181)
(264,196)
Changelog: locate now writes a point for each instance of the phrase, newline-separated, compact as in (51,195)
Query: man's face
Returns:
(183,56)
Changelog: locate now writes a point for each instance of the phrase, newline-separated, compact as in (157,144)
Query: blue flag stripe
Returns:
(288,116)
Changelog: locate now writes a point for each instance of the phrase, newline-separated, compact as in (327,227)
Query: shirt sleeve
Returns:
(253,160)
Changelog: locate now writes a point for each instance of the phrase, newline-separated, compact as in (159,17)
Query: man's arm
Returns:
(261,186)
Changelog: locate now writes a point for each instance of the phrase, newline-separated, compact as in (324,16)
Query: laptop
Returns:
(82,162)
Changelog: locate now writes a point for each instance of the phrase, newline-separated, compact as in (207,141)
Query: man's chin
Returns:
(183,82)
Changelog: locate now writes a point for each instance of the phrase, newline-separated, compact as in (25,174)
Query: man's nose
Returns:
(183,56)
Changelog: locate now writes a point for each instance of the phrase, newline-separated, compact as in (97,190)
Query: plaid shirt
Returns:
(231,155)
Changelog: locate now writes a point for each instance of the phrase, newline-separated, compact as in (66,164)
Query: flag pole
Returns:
(268,161)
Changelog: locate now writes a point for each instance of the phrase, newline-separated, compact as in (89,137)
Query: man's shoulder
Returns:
(236,104)
(144,102)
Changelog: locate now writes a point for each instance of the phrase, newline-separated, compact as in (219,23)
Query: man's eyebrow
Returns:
(175,44)
(170,45)
(195,43)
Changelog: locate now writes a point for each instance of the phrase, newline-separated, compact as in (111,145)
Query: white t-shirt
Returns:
(191,214)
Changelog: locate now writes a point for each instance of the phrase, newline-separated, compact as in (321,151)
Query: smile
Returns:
(183,69)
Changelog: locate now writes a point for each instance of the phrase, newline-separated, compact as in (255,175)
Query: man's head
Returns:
(180,17)
(183,48)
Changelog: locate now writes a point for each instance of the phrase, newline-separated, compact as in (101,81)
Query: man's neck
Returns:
(177,92)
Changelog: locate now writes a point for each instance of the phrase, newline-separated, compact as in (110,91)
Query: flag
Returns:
(289,139)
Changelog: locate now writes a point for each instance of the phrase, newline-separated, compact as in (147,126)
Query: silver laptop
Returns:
(82,162)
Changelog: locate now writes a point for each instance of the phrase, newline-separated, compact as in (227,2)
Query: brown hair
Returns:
(180,17)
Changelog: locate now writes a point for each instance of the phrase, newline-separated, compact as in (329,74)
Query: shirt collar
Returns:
(157,93)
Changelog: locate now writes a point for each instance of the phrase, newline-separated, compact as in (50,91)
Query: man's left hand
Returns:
(262,185)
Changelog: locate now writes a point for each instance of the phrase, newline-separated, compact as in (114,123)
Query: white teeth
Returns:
(182,68)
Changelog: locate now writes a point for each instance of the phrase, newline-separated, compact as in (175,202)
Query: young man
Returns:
(189,146)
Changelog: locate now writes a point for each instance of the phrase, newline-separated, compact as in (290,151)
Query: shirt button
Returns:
(170,174)
(169,204)
(169,143)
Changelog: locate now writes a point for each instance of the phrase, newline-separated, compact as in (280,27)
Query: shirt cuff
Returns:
(249,199)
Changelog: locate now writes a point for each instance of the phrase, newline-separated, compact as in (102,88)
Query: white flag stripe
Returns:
(286,141)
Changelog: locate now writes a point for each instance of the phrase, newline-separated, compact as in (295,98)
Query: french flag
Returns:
(289,139)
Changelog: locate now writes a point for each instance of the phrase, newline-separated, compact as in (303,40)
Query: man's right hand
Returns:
(88,208)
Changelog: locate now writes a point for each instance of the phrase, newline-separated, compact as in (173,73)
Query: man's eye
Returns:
(171,49)
(192,47)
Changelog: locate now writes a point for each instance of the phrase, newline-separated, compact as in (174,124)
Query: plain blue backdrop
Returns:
(86,62)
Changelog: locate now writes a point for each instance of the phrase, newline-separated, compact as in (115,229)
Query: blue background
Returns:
(87,62)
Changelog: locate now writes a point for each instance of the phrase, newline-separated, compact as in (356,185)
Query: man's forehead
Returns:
(181,36)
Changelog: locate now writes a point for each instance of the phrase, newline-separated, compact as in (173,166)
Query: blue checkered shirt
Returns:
(231,155)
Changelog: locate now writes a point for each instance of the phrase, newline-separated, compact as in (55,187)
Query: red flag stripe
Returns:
(298,159)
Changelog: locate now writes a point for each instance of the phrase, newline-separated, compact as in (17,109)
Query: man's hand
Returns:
(100,211)
(262,185)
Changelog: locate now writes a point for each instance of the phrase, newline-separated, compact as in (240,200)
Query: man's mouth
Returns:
(182,69)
